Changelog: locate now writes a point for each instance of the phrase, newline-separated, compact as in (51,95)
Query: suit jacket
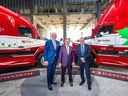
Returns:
(50,52)
(86,53)
(65,58)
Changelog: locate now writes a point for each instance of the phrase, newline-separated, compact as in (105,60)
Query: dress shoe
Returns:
(62,84)
(82,82)
(50,88)
(89,87)
(54,83)
(71,84)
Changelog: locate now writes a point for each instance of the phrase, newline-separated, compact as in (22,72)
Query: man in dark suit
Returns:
(66,60)
(83,53)
(51,51)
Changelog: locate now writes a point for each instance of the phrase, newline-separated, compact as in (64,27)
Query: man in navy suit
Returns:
(51,51)
(83,53)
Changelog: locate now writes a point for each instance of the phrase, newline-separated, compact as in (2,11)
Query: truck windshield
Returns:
(24,31)
(105,30)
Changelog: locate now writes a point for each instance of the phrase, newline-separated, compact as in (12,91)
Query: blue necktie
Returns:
(82,50)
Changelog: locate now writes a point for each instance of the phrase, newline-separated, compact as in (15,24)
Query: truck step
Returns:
(18,75)
(107,72)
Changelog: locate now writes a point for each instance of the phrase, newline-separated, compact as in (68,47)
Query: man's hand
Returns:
(82,59)
(46,63)
(73,64)
(59,64)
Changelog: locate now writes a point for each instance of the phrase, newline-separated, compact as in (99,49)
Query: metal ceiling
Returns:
(44,2)
(76,22)
(60,15)
(47,6)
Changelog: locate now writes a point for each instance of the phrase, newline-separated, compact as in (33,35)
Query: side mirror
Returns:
(93,33)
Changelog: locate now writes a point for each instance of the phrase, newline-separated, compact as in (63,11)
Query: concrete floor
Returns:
(37,86)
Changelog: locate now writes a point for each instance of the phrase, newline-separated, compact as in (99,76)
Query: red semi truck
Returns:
(20,43)
(109,43)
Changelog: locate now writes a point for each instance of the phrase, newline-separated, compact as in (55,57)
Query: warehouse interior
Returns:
(68,19)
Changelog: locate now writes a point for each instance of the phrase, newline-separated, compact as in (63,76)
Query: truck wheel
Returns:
(92,61)
(40,61)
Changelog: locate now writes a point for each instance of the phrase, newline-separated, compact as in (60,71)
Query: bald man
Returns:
(51,51)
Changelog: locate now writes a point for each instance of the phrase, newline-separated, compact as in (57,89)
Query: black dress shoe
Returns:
(71,84)
(54,83)
(62,84)
(89,87)
(50,88)
(82,82)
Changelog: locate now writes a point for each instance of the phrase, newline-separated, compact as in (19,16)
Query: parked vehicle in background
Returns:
(20,43)
(109,43)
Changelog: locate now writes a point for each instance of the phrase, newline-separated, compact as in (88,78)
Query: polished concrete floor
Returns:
(37,86)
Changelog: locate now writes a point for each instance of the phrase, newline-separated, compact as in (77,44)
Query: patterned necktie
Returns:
(67,49)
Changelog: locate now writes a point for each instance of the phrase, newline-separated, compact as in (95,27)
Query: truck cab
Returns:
(109,42)
(110,36)
(19,41)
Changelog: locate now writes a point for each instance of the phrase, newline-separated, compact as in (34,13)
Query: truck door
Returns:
(122,45)
(27,44)
(26,47)
(105,39)
(122,40)
(113,48)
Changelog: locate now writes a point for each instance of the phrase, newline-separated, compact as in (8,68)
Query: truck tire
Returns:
(40,61)
(92,61)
